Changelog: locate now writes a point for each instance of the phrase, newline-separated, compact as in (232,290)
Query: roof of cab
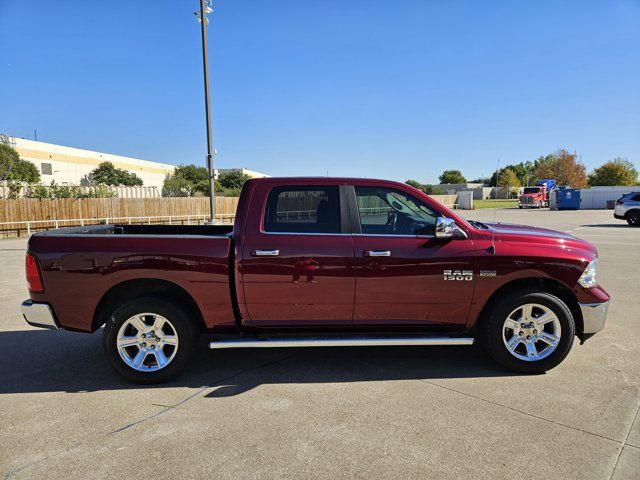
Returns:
(346,180)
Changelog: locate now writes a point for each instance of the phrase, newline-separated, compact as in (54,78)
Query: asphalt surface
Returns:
(428,412)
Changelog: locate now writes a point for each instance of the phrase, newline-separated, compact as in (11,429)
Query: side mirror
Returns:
(447,228)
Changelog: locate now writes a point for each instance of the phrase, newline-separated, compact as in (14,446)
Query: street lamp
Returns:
(206,8)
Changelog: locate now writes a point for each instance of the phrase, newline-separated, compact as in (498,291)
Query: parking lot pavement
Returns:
(331,413)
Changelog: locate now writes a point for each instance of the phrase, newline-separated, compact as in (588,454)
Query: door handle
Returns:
(265,253)
(377,253)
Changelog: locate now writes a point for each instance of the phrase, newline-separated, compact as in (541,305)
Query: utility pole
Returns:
(205,8)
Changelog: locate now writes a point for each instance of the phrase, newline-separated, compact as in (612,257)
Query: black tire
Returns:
(519,206)
(633,218)
(491,331)
(185,329)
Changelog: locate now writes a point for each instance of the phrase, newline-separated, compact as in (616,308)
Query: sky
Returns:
(382,89)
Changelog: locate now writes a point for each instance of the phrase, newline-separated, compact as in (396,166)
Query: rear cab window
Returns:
(303,209)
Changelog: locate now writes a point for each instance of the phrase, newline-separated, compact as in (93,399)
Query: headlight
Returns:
(588,277)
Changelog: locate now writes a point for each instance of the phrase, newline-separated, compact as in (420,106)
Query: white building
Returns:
(71,166)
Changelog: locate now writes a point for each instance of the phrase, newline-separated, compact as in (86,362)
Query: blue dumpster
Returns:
(568,199)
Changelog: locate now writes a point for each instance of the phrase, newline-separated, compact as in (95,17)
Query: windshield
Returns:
(532,190)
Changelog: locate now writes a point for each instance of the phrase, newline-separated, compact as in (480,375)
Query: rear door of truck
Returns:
(297,260)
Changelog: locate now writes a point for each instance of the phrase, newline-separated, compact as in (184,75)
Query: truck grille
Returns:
(526,200)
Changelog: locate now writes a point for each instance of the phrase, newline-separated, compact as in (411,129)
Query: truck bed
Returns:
(127,229)
(81,267)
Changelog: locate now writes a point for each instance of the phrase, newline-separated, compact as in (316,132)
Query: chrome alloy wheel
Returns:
(531,332)
(147,342)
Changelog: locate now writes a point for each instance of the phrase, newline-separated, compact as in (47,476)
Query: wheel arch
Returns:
(131,289)
(541,284)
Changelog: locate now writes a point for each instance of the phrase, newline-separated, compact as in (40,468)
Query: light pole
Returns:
(205,8)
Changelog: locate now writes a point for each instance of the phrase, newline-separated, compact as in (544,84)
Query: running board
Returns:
(284,342)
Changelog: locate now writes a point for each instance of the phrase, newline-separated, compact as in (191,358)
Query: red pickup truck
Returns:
(317,262)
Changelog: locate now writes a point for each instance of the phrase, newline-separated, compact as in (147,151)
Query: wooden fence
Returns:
(49,213)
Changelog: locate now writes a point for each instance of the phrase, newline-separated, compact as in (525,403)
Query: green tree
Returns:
(62,191)
(189,180)
(452,176)
(415,184)
(484,180)
(194,174)
(97,191)
(176,186)
(233,180)
(108,174)
(14,189)
(508,178)
(8,156)
(186,181)
(618,171)
(524,171)
(428,189)
(24,171)
(38,191)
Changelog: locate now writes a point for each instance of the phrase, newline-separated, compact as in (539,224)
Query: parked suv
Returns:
(628,208)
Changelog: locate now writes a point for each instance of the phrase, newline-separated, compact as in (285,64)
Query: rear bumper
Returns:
(619,217)
(593,317)
(39,315)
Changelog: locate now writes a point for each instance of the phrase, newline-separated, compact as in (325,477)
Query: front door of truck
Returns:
(297,262)
(404,275)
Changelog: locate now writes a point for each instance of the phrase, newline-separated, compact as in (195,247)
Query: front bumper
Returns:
(39,315)
(593,317)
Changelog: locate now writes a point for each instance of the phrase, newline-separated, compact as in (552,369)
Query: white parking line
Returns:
(615,243)
(632,237)
(620,228)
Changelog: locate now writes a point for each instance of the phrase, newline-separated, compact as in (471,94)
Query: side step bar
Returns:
(284,342)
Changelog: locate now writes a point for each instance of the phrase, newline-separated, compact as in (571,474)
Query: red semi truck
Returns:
(317,262)
(538,195)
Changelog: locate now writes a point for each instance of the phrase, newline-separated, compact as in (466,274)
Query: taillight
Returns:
(619,201)
(34,279)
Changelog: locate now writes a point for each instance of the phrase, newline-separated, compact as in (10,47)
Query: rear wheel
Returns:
(149,340)
(528,331)
(633,218)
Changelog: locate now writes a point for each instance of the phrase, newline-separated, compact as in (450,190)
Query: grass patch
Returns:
(495,203)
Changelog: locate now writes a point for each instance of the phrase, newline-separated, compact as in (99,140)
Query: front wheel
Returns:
(149,340)
(528,332)
(633,219)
